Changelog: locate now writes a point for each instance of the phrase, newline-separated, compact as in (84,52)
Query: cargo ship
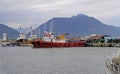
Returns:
(42,44)
(49,40)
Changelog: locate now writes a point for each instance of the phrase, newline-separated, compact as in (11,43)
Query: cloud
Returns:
(16,12)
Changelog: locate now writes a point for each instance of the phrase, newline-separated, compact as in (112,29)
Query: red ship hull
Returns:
(43,44)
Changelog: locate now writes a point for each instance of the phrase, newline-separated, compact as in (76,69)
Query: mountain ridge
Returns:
(81,25)
(77,25)
(11,33)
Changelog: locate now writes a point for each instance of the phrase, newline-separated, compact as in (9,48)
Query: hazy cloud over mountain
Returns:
(28,12)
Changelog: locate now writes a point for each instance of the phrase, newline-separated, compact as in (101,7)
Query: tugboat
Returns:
(23,40)
(51,41)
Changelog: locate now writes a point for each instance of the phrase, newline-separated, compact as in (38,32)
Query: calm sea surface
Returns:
(26,60)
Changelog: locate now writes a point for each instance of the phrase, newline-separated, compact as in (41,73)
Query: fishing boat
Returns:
(49,40)
(23,40)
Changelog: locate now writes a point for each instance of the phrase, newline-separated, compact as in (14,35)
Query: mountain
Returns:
(11,33)
(23,30)
(80,25)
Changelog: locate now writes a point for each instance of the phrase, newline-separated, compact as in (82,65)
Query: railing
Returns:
(112,67)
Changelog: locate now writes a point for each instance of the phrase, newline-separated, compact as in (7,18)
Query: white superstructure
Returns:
(21,35)
(49,36)
(4,37)
(32,36)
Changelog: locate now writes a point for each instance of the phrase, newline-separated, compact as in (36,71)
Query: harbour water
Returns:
(27,60)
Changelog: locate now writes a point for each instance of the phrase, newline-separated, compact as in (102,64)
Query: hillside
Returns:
(80,25)
(11,33)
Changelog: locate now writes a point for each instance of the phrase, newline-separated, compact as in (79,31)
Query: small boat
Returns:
(8,44)
(23,40)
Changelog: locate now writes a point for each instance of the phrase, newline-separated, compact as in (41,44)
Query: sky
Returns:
(26,13)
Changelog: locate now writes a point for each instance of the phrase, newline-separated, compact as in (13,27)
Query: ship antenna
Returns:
(20,30)
(51,27)
(39,32)
(35,28)
(31,30)
(44,27)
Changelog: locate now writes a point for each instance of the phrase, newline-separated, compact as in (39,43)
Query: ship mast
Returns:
(39,32)
(51,27)
(31,31)
(35,29)
(20,30)
(45,27)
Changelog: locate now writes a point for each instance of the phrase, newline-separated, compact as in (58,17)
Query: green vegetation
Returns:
(101,42)
(114,40)
(95,41)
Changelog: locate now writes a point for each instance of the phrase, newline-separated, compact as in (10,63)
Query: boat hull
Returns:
(42,44)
